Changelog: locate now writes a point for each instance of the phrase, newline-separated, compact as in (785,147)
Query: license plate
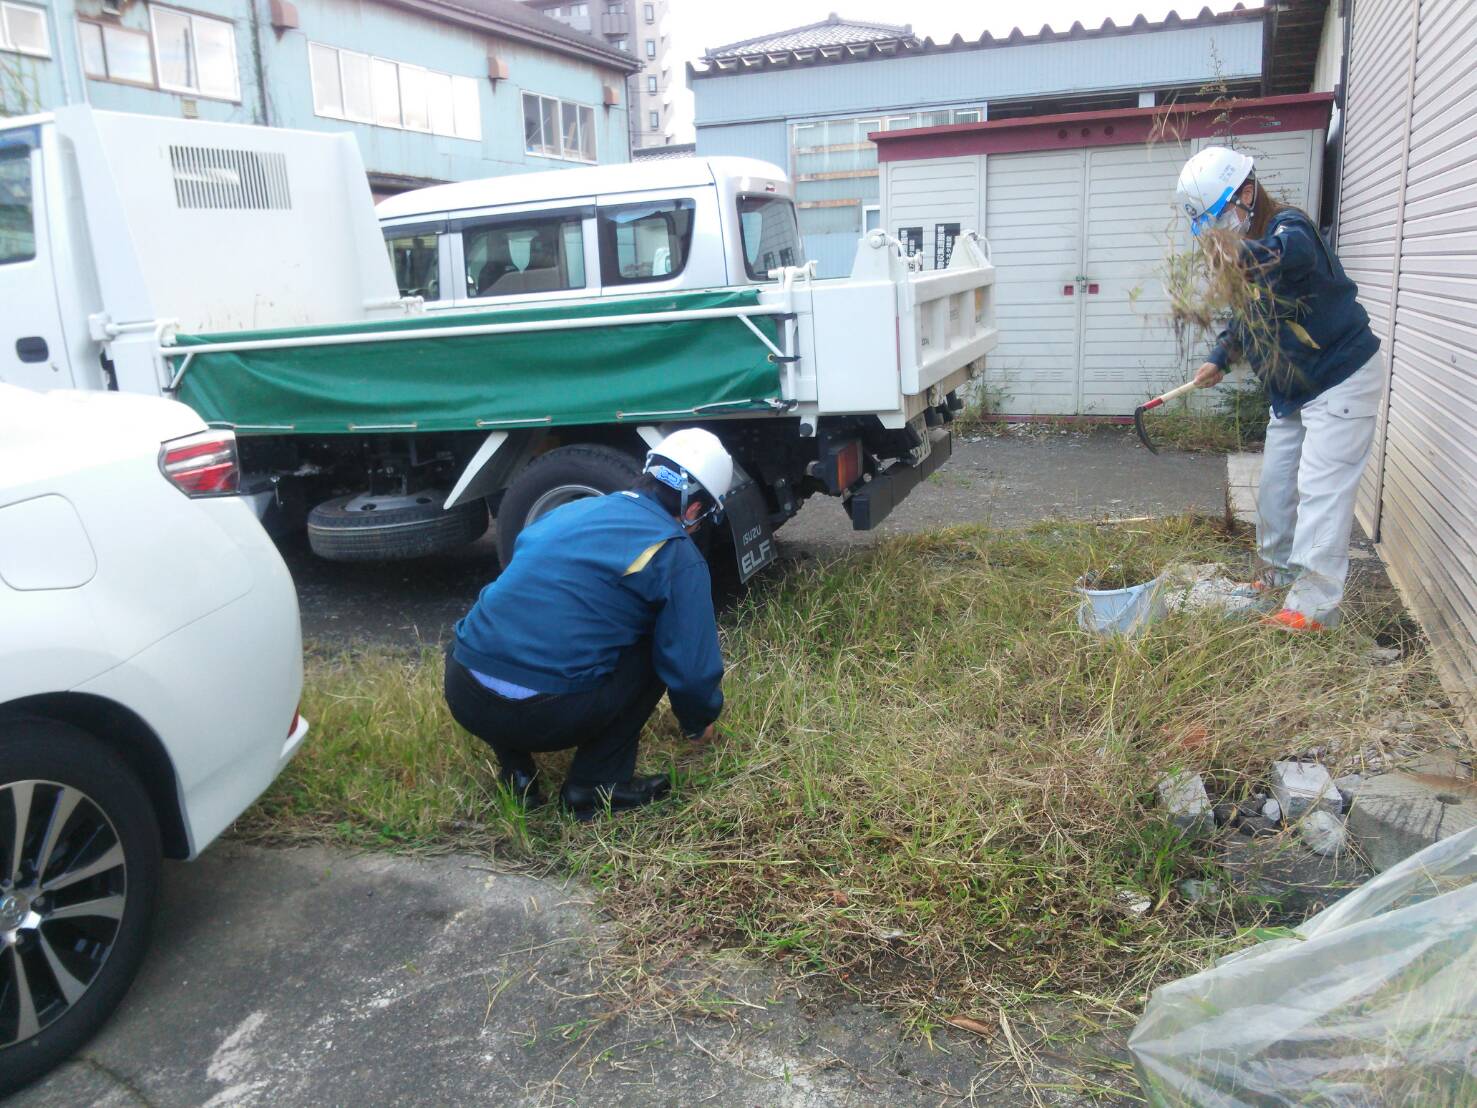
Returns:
(748,522)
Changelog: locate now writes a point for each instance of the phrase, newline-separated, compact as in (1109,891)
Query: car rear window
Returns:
(771,237)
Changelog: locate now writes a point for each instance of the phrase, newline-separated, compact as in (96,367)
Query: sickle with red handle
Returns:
(1138,413)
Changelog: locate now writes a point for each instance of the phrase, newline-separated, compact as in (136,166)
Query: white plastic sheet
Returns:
(1373,1003)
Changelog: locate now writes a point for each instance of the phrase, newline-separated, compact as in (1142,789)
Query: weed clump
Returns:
(931,787)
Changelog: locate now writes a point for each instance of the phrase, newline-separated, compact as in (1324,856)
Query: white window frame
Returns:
(648,11)
(30,9)
(564,155)
(652,85)
(466,130)
(184,90)
(651,48)
(103,29)
(654,121)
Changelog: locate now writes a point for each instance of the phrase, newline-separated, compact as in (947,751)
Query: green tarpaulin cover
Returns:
(598,374)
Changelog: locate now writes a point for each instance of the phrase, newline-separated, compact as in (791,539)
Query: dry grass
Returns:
(931,788)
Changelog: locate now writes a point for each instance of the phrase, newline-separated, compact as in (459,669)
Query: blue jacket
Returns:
(1322,330)
(588,580)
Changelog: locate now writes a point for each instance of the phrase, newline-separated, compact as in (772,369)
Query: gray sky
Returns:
(695,25)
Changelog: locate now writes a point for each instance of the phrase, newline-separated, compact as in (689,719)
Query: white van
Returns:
(611,230)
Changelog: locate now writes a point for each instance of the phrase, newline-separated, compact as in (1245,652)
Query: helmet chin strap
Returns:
(686,486)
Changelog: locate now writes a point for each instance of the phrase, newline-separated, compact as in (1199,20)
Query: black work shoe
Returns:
(585,802)
(523,785)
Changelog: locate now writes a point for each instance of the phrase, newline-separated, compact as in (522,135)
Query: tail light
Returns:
(203,464)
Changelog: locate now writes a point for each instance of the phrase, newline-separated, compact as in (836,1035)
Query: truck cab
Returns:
(619,230)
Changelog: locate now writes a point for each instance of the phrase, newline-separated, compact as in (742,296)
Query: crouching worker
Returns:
(1307,337)
(605,605)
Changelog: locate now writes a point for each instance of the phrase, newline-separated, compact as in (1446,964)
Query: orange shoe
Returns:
(1289,620)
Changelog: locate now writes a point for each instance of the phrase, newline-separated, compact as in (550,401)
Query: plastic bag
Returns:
(1373,1003)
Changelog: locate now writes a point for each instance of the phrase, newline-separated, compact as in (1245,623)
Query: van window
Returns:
(645,242)
(771,238)
(17,209)
(520,254)
(417,268)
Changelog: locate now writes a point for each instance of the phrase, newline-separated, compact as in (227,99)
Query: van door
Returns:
(33,352)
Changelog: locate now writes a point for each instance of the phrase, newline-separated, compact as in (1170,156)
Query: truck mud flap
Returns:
(886,491)
(748,522)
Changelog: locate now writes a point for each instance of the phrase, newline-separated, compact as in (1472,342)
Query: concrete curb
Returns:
(1242,474)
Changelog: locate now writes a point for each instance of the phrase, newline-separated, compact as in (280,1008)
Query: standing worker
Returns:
(605,604)
(1307,338)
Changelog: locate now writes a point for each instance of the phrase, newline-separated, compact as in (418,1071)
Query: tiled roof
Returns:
(833,31)
(513,20)
(744,57)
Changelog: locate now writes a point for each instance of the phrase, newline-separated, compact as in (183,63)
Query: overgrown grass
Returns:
(931,787)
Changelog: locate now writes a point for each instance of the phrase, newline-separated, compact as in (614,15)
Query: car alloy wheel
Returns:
(63,889)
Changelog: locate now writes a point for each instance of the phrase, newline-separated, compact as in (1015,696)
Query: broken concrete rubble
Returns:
(1189,807)
(1396,814)
(1300,787)
(1204,587)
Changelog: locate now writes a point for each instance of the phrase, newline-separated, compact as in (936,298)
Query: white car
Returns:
(150,669)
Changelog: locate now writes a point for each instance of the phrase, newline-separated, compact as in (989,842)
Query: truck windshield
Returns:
(771,237)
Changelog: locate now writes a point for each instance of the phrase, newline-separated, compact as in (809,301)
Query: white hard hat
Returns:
(1208,182)
(699,457)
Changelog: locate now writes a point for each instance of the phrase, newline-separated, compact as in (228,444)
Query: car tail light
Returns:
(297,718)
(203,464)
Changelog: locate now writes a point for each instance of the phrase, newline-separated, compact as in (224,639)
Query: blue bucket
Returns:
(1120,611)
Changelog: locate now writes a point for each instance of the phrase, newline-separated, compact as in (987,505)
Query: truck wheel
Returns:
(554,479)
(79,872)
(368,528)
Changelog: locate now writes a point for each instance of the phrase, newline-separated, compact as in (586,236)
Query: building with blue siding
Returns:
(433,91)
(807,98)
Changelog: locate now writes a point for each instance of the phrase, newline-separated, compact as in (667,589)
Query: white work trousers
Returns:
(1305,499)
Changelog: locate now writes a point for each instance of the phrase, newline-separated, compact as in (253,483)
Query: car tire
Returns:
(551,480)
(69,931)
(366,528)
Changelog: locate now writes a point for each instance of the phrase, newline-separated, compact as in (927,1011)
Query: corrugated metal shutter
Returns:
(1128,351)
(1370,184)
(1428,509)
(1033,218)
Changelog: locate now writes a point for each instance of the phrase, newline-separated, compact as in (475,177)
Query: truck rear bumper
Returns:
(886,491)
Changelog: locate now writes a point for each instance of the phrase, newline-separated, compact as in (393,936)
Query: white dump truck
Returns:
(479,349)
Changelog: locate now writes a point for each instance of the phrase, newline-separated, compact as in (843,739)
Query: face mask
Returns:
(1234,218)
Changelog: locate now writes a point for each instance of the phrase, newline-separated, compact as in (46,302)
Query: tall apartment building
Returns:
(638,27)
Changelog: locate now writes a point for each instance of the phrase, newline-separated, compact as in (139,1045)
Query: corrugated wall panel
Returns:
(1428,507)
(1370,185)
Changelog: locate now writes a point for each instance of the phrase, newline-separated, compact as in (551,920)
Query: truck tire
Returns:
(563,475)
(82,923)
(366,528)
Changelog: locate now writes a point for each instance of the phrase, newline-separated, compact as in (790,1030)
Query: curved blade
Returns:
(1138,425)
